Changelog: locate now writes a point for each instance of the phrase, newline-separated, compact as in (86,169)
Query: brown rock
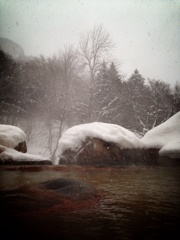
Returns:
(21,147)
(98,152)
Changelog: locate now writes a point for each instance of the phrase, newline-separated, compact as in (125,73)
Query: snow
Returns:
(165,137)
(163,133)
(171,149)
(11,136)
(74,136)
(12,154)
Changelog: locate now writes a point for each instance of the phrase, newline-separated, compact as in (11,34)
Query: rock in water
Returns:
(50,197)
(76,189)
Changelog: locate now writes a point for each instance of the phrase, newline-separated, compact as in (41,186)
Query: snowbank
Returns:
(11,136)
(171,149)
(7,154)
(165,137)
(74,137)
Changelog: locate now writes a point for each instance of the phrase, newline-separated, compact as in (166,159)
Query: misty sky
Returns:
(146,32)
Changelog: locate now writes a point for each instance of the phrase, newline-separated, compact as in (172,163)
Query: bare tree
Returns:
(95,47)
(48,87)
(63,93)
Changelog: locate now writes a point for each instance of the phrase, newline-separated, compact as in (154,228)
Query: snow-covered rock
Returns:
(98,152)
(105,143)
(102,139)
(8,155)
(74,136)
(11,136)
(165,137)
(13,147)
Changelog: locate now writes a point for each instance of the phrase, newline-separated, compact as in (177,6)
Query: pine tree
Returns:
(137,94)
(107,101)
(9,88)
(176,98)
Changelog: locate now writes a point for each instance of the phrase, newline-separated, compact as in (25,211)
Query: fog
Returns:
(67,82)
(145,32)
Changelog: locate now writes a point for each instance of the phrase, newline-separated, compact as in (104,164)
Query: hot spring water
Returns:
(139,203)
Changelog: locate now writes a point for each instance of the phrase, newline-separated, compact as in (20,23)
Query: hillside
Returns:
(13,49)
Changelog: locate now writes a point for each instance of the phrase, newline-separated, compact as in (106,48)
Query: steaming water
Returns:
(139,203)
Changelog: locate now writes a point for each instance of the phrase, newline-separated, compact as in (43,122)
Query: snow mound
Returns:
(165,137)
(11,136)
(8,153)
(74,137)
(171,149)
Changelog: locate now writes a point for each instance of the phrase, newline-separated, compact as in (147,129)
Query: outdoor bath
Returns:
(136,203)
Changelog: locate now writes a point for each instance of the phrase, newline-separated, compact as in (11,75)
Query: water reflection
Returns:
(139,203)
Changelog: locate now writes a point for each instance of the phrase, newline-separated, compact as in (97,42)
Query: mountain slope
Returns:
(13,49)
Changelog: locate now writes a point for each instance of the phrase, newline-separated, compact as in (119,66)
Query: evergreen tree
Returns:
(113,74)
(9,89)
(106,94)
(136,111)
(176,98)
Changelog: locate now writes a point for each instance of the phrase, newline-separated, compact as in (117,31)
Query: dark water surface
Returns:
(139,203)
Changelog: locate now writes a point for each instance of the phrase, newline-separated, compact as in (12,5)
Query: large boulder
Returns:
(109,144)
(100,144)
(98,152)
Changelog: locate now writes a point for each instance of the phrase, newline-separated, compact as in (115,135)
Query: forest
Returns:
(80,85)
